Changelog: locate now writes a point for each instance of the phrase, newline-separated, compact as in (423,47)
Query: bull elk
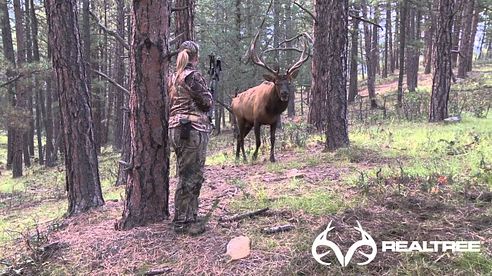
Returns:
(263,104)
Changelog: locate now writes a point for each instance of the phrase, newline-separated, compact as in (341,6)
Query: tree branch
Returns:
(365,20)
(110,32)
(11,81)
(175,9)
(113,82)
(307,11)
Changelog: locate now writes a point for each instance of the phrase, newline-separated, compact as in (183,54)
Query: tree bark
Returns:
(403,19)
(147,188)
(40,107)
(476,19)
(185,21)
(120,76)
(353,85)
(386,40)
(466,39)
(21,100)
(458,18)
(330,68)
(370,56)
(9,54)
(429,38)
(413,52)
(291,108)
(81,164)
(441,84)
(390,38)
(29,146)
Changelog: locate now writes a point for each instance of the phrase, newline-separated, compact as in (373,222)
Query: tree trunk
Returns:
(21,100)
(330,68)
(397,36)
(476,18)
(29,150)
(403,19)
(375,43)
(120,76)
(185,21)
(442,75)
(429,38)
(386,40)
(147,188)
(50,153)
(370,56)
(458,18)
(291,108)
(81,164)
(413,52)
(40,107)
(390,38)
(9,54)
(466,42)
(353,87)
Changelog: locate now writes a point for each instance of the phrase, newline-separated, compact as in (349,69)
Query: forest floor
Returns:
(403,181)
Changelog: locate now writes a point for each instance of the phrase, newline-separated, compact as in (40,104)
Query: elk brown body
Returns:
(263,104)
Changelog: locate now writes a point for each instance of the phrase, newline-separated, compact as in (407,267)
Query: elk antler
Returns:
(304,56)
(256,58)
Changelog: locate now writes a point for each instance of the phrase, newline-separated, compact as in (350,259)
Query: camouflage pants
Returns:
(190,155)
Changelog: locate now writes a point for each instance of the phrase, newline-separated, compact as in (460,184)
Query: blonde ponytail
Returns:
(182,61)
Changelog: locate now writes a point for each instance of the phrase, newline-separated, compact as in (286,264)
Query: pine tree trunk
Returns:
(370,56)
(442,75)
(147,188)
(40,107)
(413,53)
(460,6)
(402,40)
(120,76)
(353,85)
(81,164)
(330,68)
(291,108)
(466,42)
(476,18)
(9,54)
(29,88)
(390,38)
(386,41)
(185,21)
(21,100)
(429,38)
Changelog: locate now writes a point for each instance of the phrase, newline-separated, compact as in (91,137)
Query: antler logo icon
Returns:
(322,240)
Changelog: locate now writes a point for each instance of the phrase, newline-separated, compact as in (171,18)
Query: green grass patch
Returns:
(319,202)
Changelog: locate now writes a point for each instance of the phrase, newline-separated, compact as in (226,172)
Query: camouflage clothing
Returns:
(190,155)
(190,101)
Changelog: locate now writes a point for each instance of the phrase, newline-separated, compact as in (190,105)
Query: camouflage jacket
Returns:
(190,99)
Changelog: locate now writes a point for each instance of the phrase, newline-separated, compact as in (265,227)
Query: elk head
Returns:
(282,81)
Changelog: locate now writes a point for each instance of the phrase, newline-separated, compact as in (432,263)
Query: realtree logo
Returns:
(386,246)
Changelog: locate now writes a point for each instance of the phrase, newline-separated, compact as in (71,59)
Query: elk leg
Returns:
(240,125)
(273,128)
(247,129)
(258,140)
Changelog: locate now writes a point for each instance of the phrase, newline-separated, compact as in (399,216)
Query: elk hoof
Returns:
(272,159)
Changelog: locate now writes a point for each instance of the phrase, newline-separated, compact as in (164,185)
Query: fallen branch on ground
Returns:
(277,229)
(159,271)
(243,216)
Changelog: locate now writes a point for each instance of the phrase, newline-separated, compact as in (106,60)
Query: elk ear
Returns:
(294,74)
(269,78)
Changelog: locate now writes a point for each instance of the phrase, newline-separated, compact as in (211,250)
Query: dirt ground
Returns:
(89,244)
